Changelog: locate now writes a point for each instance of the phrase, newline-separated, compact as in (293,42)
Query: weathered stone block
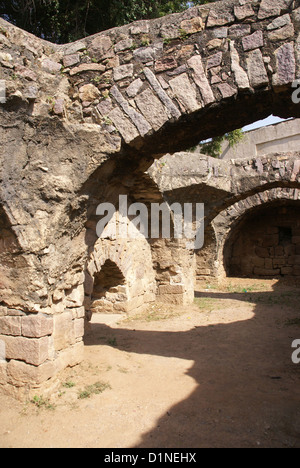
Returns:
(123,125)
(279,262)
(3,373)
(214,60)
(201,80)
(152,109)
(185,92)
(34,351)
(286,270)
(286,65)
(63,332)
(19,373)
(239,30)
(220,33)
(279,22)
(244,11)
(163,96)
(134,88)
(270,241)
(141,27)
(171,289)
(75,297)
(51,66)
(10,326)
(71,356)
(139,121)
(192,26)
(71,60)
(227,90)
(282,34)
(220,16)
(144,54)
(279,251)
(290,250)
(296,271)
(37,326)
(175,299)
(256,69)
(89,93)
(266,272)
(268,8)
(254,41)
(75,47)
(240,74)
(165,63)
(268,263)
(259,262)
(204,272)
(78,327)
(78,312)
(101,47)
(85,67)
(124,44)
(123,71)
(3,311)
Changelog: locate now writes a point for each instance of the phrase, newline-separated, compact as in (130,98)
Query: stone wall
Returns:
(282,137)
(266,245)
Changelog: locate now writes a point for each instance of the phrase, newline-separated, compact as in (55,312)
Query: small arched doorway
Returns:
(109,294)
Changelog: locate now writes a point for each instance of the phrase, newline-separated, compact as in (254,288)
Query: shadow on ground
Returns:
(247,393)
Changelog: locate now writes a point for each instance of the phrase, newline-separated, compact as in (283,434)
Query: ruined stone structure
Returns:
(235,194)
(83,123)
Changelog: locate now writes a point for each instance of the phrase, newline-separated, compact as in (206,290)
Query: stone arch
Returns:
(116,105)
(220,184)
(109,290)
(199,67)
(130,261)
(256,209)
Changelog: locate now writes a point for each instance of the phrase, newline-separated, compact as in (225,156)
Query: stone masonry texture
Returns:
(83,123)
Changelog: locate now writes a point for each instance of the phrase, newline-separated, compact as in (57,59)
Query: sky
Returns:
(263,123)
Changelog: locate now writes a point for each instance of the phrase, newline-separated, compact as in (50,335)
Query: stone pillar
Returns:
(35,347)
(26,358)
(175,272)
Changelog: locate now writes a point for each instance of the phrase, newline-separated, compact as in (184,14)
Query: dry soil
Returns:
(218,373)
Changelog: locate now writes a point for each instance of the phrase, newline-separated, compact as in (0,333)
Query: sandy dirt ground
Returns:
(217,373)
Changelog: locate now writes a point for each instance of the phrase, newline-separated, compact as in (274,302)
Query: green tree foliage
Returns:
(63,21)
(213,147)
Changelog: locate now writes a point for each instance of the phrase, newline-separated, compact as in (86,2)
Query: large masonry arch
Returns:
(265,243)
(84,118)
